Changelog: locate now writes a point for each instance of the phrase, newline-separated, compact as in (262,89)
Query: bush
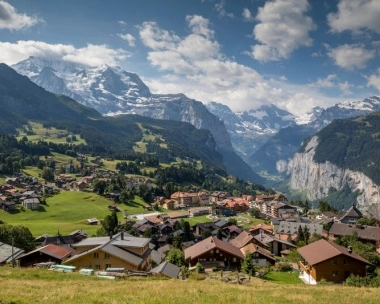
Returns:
(357,281)
(284,267)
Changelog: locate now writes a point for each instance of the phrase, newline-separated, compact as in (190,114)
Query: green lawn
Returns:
(135,207)
(65,212)
(283,277)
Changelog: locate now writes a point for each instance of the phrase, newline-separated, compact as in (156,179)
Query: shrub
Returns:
(357,281)
(284,267)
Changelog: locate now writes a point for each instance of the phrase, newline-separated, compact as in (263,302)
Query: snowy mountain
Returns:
(249,130)
(111,91)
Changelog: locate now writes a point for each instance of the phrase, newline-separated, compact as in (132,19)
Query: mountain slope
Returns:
(110,90)
(342,155)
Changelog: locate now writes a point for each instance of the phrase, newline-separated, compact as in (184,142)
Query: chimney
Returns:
(349,249)
(122,235)
(110,235)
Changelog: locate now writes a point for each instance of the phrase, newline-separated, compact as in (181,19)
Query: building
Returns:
(291,228)
(213,252)
(366,234)
(118,251)
(323,260)
(7,253)
(31,203)
(261,257)
(350,216)
(48,253)
(167,269)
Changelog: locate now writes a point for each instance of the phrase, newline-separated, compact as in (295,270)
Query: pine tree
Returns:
(248,266)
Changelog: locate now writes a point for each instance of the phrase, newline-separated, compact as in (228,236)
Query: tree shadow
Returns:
(40,209)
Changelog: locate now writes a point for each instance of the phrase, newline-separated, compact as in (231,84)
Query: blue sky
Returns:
(295,54)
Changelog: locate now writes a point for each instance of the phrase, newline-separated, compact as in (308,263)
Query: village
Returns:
(162,242)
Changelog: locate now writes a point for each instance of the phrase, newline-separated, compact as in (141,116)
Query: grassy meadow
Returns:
(65,212)
(44,286)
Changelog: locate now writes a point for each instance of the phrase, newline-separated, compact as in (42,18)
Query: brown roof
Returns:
(262,226)
(254,248)
(53,250)
(322,250)
(176,214)
(369,233)
(242,239)
(211,243)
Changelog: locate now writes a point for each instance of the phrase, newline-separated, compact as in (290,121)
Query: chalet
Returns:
(14,181)
(232,231)
(31,203)
(48,253)
(7,205)
(274,245)
(157,218)
(237,204)
(200,228)
(185,199)
(261,257)
(261,228)
(330,262)
(7,253)
(92,221)
(214,252)
(118,251)
(366,234)
(278,197)
(350,216)
(218,196)
(165,229)
(62,240)
(243,239)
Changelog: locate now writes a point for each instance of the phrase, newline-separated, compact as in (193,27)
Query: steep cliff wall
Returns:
(317,179)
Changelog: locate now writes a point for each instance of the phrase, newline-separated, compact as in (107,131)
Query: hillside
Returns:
(44,286)
(340,162)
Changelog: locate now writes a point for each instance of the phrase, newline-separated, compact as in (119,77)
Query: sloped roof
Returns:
(369,233)
(122,254)
(167,269)
(266,239)
(211,243)
(253,248)
(53,251)
(292,227)
(242,239)
(6,253)
(352,212)
(322,250)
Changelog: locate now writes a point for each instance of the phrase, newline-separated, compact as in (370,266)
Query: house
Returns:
(48,253)
(92,221)
(232,231)
(31,203)
(167,269)
(9,252)
(7,205)
(366,234)
(118,251)
(323,260)
(261,228)
(243,239)
(200,228)
(218,196)
(199,211)
(275,245)
(350,216)
(213,251)
(62,240)
(261,257)
(236,204)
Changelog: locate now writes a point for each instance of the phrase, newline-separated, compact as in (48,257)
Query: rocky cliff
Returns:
(317,179)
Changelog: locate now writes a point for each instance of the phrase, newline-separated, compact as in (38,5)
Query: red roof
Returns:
(56,251)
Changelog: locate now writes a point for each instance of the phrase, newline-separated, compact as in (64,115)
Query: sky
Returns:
(295,54)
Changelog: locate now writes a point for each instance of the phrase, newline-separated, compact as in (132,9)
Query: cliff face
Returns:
(316,179)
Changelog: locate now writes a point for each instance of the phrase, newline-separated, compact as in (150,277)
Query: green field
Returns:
(33,285)
(65,212)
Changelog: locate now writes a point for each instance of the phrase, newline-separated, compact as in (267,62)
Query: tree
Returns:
(99,186)
(232,220)
(300,234)
(306,207)
(148,233)
(254,212)
(187,234)
(176,257)
(247,265)
(21,235)
(48,174)
(306,234)
(206,233)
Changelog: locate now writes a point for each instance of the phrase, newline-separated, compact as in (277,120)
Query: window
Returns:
(106,255)
(335,273)
(96,255)
(234,260)
(346,262)
(333,261)
(217,250)
(212,251)
(97,267)
(108,266)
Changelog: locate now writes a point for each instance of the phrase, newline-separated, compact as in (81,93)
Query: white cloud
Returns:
(351,56)
(11,20)
(92,55)
(345,87)
(121,22)
(129,38)
(327,82)
(220,8)
(247,16)
(193,65)
(356,16)
(283,27)
(374,80)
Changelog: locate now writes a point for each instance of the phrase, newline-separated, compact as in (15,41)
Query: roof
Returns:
(221,223)
(167,269)
(266,239)
(369,233)
(322,250)
(53,251)
(122,254)
(253,248)
(352,212)
(128,241)
(262,226)
(156,256)
(292,227)
(242,239)
(6,253)
(211,243)
(165,248)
